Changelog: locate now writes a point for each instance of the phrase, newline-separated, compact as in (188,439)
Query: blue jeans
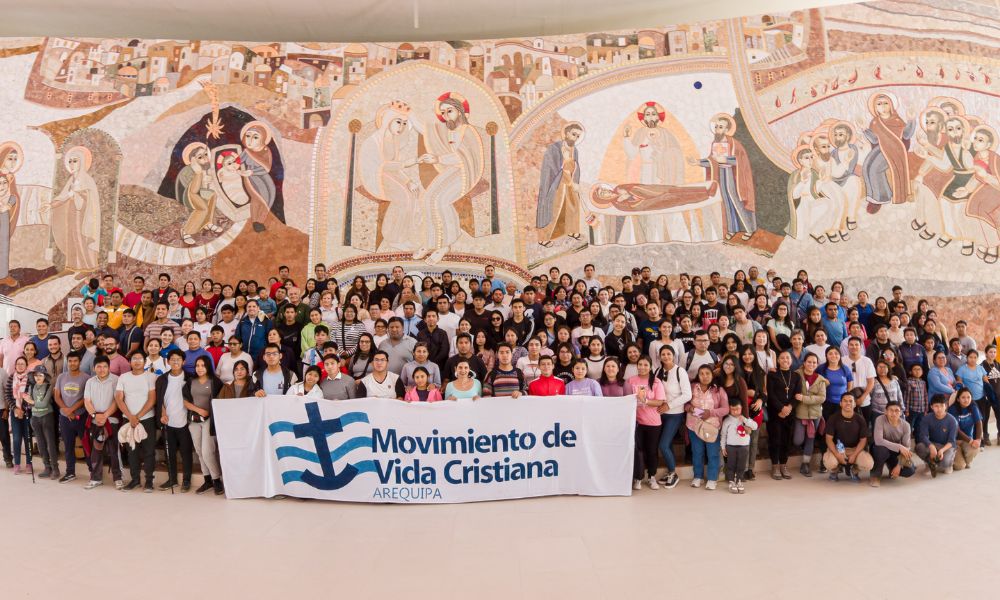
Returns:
(22,437)
(671,425)
(699,450)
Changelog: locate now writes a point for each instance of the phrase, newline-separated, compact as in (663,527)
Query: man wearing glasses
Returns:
(224,368)
(381,383)
(272,379)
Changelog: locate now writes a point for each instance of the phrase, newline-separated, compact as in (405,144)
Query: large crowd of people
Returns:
(858,387)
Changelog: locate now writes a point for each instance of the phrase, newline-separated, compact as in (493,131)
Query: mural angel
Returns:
(76,213)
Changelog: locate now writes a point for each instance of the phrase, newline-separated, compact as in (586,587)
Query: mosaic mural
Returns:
(857,141)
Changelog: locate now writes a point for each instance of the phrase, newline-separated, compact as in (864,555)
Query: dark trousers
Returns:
(914,420)
(22,437)
(984,409)
(779,437)
(110,452)
(44,428)
(887,458)
(5,437)
(144,454)
(736,461)
(179,438)
(69,430)
(647,441)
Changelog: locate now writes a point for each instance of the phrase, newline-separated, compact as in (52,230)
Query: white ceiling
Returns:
(361,20)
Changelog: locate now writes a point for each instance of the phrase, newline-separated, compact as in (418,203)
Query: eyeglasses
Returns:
(234,344)
(271,353)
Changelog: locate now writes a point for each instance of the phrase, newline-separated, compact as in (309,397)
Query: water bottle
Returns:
(840,446)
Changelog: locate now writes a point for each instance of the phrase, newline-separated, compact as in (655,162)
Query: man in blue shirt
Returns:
(252,330)
(836,329)
(937,436)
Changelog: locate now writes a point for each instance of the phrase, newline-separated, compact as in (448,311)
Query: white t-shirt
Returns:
(819,351)
(205,329)
(173,401)
(862,370)
(226,363)
(136,390)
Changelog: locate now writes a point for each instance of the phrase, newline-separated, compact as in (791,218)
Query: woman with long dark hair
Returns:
(784,388)
(198,392)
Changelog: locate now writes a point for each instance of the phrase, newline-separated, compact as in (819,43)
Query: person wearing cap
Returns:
(102,424)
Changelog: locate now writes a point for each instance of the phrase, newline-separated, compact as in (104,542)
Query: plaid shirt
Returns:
(916,395)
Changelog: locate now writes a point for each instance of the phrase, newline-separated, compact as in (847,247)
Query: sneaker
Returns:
(204,487)
(636,484)
(17,470)
(932,467)
(119,484)
(710,484)
(740,487)
(166,485)
(696,483)
(652,484)
(855,476)
(68,477)
(671,480)
(822,467)
(26,470)
(46,473)
(749,475)
(185,487)
(148,488)
(131,485)
(93,484)
(9,464)
(805,470)
(874,482)
(55,474)
(732,488)
(834,476)
(219,490)
(949,470)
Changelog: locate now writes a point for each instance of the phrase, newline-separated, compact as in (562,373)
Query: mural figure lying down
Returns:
(637,213)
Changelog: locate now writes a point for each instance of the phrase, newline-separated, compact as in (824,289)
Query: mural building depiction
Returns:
(856,141)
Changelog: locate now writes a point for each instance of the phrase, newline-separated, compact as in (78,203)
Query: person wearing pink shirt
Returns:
(709,403)
(12,346)
(649,396)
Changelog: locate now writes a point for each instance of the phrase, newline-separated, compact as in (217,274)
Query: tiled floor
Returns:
(802,538)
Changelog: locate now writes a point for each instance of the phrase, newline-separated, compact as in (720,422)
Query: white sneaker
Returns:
(119,484)
(92,484)
(732,488)
(696,483)
(710,484)
(652,483)
(636,484)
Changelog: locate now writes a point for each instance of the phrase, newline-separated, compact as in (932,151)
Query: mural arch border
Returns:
(570,92)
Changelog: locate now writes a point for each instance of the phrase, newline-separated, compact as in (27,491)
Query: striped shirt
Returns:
(504,383)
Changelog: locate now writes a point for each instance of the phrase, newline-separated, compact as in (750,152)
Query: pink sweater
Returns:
(647,415)
(714,402)
(433,395)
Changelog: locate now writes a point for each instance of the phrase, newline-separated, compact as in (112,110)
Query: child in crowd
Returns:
(735,442)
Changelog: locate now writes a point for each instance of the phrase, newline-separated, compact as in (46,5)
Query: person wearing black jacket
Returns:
(464,351)
(169,394)
(436,339)
(784,388)
(522,325)
(272,378)
(198,392)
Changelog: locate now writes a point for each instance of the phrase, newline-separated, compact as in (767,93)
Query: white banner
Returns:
(378,450)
